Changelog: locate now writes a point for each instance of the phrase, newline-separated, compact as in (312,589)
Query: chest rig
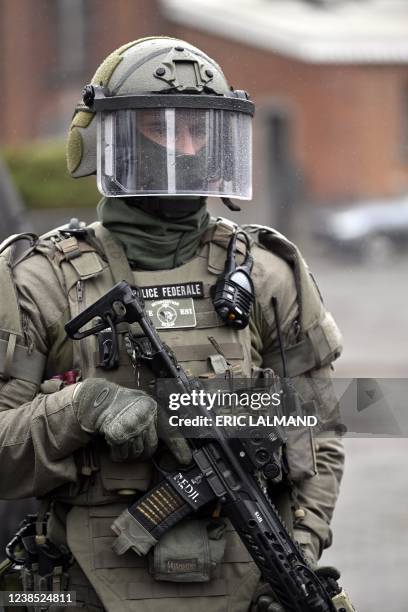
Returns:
(181,305)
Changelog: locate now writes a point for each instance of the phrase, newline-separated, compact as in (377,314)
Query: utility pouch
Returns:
(300,453)
(191,551)
(119,476)
(43,565)
(10,580)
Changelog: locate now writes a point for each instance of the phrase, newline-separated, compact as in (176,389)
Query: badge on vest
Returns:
(194,290)
(172,314)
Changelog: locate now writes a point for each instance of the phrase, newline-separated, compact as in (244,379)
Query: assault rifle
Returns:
(223,469)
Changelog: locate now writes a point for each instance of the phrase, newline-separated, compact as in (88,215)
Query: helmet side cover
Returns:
(155,64)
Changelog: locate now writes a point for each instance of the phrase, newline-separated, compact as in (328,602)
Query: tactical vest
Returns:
(207,349)
(214,569)
(185,567)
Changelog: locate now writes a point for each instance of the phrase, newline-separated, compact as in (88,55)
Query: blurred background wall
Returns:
(329,79)
(330,83)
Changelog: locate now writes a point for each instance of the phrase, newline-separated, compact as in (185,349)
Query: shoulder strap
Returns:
(218,236)
(115,254)
(16,253)
(33,238)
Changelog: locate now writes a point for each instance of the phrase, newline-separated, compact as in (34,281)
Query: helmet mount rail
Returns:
(98,99)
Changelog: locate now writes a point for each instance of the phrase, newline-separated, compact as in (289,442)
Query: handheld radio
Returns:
(234,289)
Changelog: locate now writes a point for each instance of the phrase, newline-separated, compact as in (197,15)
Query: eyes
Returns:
(153,128)
(185,130)
(184,121)
(159,129)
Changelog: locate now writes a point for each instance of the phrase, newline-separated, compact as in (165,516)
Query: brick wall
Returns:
(346,122)
(37,97)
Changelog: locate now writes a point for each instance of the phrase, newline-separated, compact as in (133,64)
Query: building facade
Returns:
(331,124)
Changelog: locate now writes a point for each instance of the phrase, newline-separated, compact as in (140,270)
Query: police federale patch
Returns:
(194,289)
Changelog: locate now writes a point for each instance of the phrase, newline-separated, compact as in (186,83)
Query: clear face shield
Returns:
(175,151)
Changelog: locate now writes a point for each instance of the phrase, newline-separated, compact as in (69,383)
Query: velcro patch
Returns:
(172,314)
(194,289)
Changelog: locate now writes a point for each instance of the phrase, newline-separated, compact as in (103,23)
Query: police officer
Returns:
(162,130)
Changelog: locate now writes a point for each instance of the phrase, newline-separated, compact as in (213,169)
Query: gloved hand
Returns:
(173,439)
(125,417)
(264,600)
(329,575)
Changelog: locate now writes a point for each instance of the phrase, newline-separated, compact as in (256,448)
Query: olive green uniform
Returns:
(42,442)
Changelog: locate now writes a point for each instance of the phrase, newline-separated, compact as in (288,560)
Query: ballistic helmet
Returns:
(159,119)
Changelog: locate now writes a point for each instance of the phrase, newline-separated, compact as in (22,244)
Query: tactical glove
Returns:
(125,417)
(173,440)
(264,600)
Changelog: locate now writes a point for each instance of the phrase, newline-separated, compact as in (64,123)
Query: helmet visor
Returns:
(175,151)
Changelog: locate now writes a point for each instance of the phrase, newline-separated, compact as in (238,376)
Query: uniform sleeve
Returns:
(39,432)
(316,495)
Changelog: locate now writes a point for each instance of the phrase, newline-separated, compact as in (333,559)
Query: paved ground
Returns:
(370,305)
(370,525)
(371,520)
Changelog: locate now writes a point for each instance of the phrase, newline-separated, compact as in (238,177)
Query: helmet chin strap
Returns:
(230,204)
